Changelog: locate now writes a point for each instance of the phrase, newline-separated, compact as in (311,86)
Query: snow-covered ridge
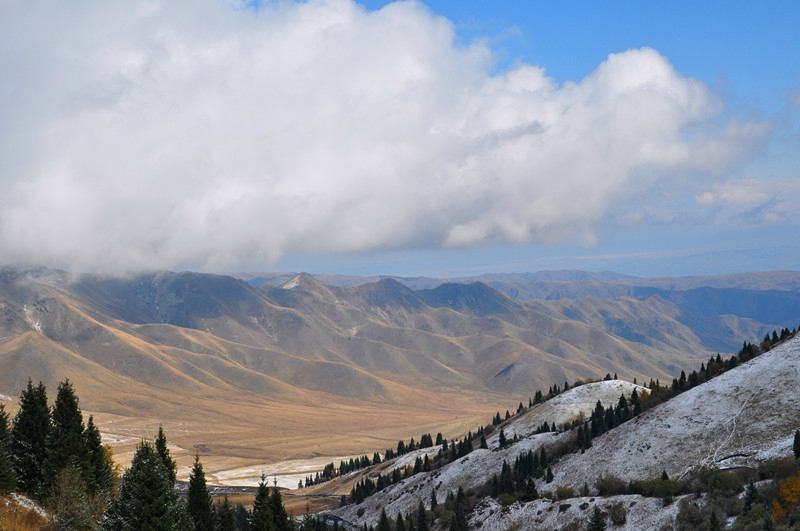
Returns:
(567,406)
(739,418)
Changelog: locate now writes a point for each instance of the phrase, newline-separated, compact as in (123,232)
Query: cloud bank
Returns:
(139,135)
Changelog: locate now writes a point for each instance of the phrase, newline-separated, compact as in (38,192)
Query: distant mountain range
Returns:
(314,353)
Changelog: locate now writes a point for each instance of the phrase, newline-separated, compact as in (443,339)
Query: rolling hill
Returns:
(249,375)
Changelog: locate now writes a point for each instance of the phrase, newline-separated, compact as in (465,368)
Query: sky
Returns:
(406,138)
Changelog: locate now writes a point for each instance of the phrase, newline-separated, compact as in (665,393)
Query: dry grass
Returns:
(15,516)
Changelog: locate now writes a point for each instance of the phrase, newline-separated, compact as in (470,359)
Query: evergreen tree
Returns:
(422,518)
(199,501)
(67,441)
(147,499)
(29,438)
(399,525)
(434,502)
(261,518)
(598,521)
(459,520)
(483,443)
(242,518)
(549,477)
(101,467)
(280,518)
(750,498)
(713,522)
(8,481)
(796,445)
(383,522)
(5,429)
(501,439)
(225,516)
(163,452)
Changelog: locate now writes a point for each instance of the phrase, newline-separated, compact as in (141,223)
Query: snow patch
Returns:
(292,284)
(35,323)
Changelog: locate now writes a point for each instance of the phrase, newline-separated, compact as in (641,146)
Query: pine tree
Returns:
(501,439)
(713,522)
(163,451)
(29,438)
(225,516)
(796,445)
(598,521)
(399,525)
(422,518)
(261,518)
(5,428)
(99,463)
(242,518)
(67,445)
(280,518)
(750,498)
(147,499)
(199,501)
(383,522)
(434,501)
(8,481)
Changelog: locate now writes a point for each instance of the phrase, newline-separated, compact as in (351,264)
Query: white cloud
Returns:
(156,134)
(765,201)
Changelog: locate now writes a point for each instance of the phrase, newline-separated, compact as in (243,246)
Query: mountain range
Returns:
(244,371)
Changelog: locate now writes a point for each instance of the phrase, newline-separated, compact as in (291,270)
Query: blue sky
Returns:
(440,139)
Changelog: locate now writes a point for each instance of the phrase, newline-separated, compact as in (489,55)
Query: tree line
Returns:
(51,456)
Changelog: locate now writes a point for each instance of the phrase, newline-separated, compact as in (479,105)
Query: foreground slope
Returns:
(738,419)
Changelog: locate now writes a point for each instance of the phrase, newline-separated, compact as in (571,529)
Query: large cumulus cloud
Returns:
(156,134)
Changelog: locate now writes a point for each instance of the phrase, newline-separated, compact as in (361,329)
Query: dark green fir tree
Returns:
(225,516)
(100,464)
(67,443)
(163,452)
(796,445)
(598,520)
(147,498)
(198,500)
(261,518)
(29,438)
(383,523)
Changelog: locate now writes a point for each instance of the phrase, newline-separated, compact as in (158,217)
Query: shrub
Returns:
(610,486)
(507,499)
(617,513)
(563,493)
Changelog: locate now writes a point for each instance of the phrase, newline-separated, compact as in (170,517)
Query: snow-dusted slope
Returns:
(574,513)
(739,418)
(478,467)
(567,406)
